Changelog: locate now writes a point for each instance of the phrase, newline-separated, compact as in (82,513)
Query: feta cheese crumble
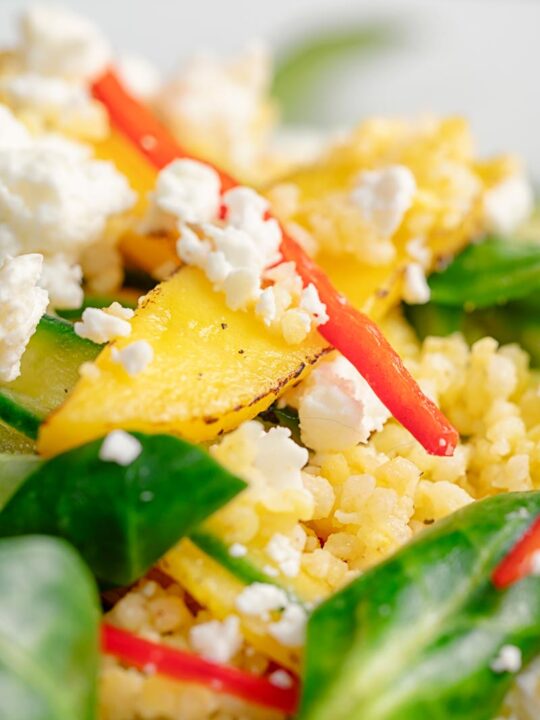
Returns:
(336,407)
(290,629)
(22,303)
(508,660)
(415,287)
(133,357)
(120,447)
(237,550)
(217,641)
(103,325)
(57,103)
(56,200)
(237,254)
(384,196)
(508,204)
(281,679)
(58,41)
(284,554)
(261,599)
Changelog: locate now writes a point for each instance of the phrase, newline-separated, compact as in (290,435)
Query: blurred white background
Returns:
(480,58)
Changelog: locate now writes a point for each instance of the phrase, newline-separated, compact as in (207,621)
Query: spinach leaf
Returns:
(311,62)
(122,519)
(488,273)
(285,417)
(415,636)
(49,619)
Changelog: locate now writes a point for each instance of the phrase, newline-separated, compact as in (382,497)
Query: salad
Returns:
(269,411)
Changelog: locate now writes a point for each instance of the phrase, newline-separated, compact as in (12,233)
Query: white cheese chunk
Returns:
(290,629)
(384,196)
(22,303)
(120,447)
(284,554)
(508,204)
(101,326)
(337,408)
(215,640)
(260,599)
(507,660)
(415,287)
(58,41)
(133,357)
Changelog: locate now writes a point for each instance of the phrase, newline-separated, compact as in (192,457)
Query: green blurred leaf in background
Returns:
(306,66)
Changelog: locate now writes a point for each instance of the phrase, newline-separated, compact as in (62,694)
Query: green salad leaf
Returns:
(14,469)
(122,519)
(488,273)
(49,621)
(415,637)
(307,63)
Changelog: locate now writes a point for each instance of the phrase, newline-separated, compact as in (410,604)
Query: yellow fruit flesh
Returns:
(216,589)
(213,368)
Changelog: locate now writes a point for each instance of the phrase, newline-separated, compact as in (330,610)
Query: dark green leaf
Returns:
(121,519)
(49,619)
(305,66)
(284,417)
(414,637)
(489,273)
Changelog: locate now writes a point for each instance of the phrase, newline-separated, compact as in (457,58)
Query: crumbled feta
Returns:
(55,199)
(138,75)
(415,287)
(284,554)
(89,370)
(246,210)
(384,196)
(261,599)
(279,458)
(419,251)
(57,41)
(535,563)
(22,303)
(186,190)
(241,288)
(217,641)
(237,254)
(119,311)
(120,447)
(290,629)
(266,306)
(133,357)
(337,408)
(101,326)
(508,204)
(63,104)
(311,303)
(13,134)
(270,570)
(281,679)
(218,107)
(237,550)
(62,280)
(507,660)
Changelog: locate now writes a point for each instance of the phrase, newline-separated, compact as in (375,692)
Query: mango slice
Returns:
(213,368)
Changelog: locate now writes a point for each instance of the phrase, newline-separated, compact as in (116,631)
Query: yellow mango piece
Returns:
(216,589)
(213,368)
(446,210)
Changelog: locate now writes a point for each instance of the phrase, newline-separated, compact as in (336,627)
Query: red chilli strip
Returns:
(517,564)
(351,332)
(187,667)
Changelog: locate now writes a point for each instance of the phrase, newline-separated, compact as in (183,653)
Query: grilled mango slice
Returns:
(213,368)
